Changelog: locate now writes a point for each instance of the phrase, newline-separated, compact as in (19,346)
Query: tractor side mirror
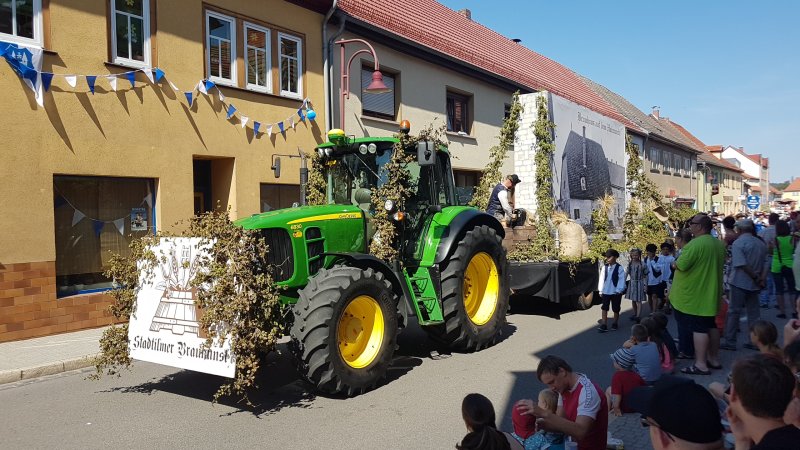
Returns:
(276,166)
(425,156)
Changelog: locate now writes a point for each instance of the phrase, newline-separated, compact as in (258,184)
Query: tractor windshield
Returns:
(353,176)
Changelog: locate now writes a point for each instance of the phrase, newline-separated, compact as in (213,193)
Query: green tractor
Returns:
(348,305)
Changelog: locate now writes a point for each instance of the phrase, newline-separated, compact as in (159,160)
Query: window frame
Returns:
(148,57)
(299,41)
(467,120)
(246,46)
(368,68)
(655,159)
(233,80)
(38,27)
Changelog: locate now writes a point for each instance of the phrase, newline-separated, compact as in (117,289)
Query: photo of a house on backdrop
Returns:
(589,161)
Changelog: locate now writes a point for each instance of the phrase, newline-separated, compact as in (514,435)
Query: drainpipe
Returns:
(327,66)
(325,62)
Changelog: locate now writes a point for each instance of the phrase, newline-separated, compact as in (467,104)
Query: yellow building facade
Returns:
(89,171)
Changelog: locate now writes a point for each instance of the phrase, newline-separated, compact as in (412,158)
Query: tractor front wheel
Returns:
(474,292)
(345,330)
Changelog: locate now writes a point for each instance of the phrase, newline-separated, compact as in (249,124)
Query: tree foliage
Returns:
(316,186)
(497,155)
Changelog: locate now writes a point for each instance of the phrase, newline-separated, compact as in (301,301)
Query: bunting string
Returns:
(99,224)
(156,76)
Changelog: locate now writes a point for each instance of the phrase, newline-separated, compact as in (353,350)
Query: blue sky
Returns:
(728,71)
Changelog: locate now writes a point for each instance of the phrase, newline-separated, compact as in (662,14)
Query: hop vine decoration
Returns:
(316,186)
(497,155)
(397,188)
(601,242)
(235,288)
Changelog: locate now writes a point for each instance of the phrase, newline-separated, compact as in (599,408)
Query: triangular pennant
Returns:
(98,227)
(302,116)
(280,126)
(131,76)
(77,216)
(149,74)
(90,80)
(148,198)
(221,97)
(244,120)
(202,87)
(231,110)
(159,75)
(47,78)
(120,224)
(71,80)
(269,130)
(256,126)
(189,97)
(209,84)
(293,124)
(112,80)
(174,88)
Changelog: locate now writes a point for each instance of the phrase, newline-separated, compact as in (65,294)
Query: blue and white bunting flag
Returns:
(269,130)
(71,80)
(149,74)
(77,216)
(244,120)
(131,76)
(231,110)
(202,87)
(280,127)
(90,80)
(120,224)
(209,85)
(256,126)
(98,226)
(112,80)
(159,75)
(47,78)
(302,116)
(189,97)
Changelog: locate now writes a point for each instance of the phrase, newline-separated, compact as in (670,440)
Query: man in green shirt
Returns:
(697,291)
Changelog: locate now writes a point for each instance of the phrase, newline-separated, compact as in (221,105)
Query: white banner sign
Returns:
(165,329)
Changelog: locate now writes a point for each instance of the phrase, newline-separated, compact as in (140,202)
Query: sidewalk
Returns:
(33,358)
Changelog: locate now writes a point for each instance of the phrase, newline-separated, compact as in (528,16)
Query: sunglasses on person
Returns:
(647,423)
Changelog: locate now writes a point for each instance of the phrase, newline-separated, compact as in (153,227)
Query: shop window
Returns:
(96,217)
(21,22)
(279,196)
(259,67)
(130,35)
(378,105)
(458,117)
(220,48)
(291,65)
(466,182)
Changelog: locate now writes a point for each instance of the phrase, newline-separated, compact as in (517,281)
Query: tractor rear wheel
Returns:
(345,330)
(474,292)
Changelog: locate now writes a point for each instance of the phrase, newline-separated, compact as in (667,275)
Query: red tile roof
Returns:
(794,186)
(773,190)
(701,146)
(714,148)
(443,30)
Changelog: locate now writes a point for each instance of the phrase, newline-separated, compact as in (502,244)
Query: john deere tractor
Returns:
(348,305)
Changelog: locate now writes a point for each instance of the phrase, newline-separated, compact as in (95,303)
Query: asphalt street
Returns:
(155,406)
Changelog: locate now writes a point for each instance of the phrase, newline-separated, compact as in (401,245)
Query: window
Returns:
(291,65)
(678,164)
(258,61)
(466,182)
(130,36)
(95,217)
(694,168)
(666,161)
(21,21)
(279,196)
(687,167)
(458,120)
(378,105)
(220,48)
(655,162)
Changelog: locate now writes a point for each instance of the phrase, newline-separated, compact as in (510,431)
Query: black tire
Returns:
(584,301)
(460,331)
(319,317)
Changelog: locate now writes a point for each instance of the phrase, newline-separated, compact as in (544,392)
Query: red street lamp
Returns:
(375,87)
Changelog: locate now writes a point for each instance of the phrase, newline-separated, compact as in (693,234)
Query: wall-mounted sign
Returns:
(165,328)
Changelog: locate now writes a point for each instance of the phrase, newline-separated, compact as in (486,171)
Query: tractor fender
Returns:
(458,227)
(366,261)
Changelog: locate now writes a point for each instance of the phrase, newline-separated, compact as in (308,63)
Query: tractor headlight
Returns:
(321,152)
(389,205)
(399,216)
(362,149)
(328,152)
(372,148)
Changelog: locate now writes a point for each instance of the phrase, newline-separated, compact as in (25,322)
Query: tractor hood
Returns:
(284,218)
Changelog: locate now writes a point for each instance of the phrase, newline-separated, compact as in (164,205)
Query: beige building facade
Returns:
(87,172)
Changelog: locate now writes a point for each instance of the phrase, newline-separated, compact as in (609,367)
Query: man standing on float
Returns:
(499,205)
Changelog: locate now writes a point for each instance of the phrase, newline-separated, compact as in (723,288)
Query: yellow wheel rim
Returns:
(481,288)
(360,332)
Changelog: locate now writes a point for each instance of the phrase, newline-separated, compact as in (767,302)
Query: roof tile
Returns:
(794,186)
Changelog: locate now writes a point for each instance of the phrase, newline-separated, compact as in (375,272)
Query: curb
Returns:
(14,375)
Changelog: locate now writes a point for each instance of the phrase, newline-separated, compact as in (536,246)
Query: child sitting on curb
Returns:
(622,382)
(645,354)
(525,425)
(664,355)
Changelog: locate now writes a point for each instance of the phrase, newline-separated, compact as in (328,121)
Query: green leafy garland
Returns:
(601,242)
(316,187)
(497,155)
(543,246)
(640,225)
(235,288)
(398,188)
